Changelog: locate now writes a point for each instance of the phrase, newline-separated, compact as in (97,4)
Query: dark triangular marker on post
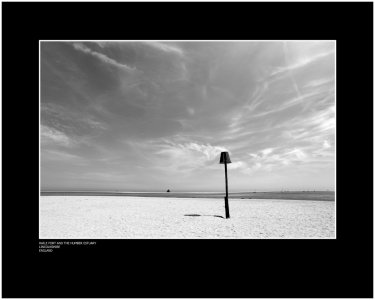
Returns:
(225,159)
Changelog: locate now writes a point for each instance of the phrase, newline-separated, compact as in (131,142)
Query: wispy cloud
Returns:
(58,155)
(168,48)
(188,156)
(64,118)
(268,159)
(301,62)
(290,70)
(326,145)
(81,47)
(237,165)
(322,122)
(53,136)
(267,151)
(318,82)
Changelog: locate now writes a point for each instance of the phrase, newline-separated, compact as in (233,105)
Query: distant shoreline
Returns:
(315,196)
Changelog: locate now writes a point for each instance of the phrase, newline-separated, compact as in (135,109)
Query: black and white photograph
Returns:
(187,150)
(187,139)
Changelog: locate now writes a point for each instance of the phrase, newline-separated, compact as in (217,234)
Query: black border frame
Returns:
(188,268)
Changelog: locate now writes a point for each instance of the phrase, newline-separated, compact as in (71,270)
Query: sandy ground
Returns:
(100,217)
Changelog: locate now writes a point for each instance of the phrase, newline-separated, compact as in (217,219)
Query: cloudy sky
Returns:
(151,116)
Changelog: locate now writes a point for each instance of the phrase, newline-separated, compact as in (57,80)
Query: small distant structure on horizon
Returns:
(168,191)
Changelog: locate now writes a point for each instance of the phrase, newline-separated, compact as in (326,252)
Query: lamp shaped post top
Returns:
(224,158)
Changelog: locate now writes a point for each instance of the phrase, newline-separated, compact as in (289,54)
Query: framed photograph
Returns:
(131,133)
(192,151)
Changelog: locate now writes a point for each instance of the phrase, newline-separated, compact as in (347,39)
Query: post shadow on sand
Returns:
(224,159)
(196,215)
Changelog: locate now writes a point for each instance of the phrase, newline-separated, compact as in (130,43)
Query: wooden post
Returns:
(226,193)
(224,159)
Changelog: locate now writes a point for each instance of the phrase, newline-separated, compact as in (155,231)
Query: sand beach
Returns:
(126,217)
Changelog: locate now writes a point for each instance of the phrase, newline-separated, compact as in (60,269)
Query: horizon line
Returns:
(191,191)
